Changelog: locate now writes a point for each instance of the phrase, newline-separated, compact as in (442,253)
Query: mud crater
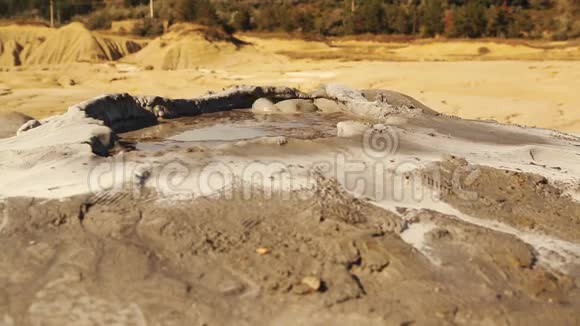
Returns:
(230,126)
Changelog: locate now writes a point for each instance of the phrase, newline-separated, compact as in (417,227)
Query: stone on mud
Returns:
(329,106)
(10,122)
(264,106)
(30,124)
(312,282)
(296,106)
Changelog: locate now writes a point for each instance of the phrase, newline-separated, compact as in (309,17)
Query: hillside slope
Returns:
(28,45)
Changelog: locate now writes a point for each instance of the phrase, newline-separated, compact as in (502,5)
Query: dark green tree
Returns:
(542,4)
(470,20)
(370,17)
(499,21)
(268,19)
(414,13)
(305,21)
(398,20)
(521,24)
(205,12)
(432,22)
(242,20)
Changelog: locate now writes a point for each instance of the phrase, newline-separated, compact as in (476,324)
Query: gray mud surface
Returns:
(105,220)
(111,258)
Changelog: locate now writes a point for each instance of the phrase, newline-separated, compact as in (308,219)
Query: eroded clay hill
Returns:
(33,45)
(189,46)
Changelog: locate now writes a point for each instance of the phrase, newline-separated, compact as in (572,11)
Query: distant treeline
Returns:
(555,19)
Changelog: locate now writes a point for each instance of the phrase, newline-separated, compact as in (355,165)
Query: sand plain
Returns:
(528,83)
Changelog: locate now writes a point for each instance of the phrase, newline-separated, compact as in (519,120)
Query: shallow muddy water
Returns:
(231,126)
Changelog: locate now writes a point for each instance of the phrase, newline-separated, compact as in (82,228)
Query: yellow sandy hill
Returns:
(18,42)
(186,46)
(72,43)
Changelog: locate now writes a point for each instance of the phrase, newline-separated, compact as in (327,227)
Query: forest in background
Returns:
(547,19)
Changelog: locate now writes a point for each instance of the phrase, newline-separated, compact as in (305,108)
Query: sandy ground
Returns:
(539,94)
(519,83)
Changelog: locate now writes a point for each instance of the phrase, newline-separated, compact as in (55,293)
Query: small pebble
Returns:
(312,282)
(262,251)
